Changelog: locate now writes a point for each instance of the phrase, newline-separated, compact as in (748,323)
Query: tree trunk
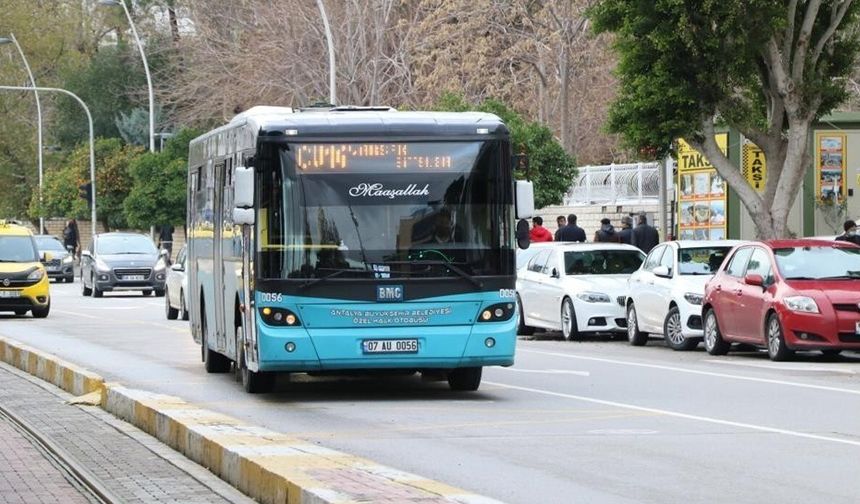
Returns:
(564,75)
(174,22)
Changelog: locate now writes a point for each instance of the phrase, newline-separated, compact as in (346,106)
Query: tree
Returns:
(765,67)
(550,168)
(158,193)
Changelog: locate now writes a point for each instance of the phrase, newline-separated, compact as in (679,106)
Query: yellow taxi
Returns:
(24,283)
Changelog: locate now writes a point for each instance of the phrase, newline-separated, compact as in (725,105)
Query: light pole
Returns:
(332,91)
(145,68)
(12,40)
(92,141)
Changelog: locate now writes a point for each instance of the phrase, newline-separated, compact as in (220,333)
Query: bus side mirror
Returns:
(523,238)
(243,196)
(525,199)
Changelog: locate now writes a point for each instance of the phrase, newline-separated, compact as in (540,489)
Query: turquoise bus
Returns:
(352,239)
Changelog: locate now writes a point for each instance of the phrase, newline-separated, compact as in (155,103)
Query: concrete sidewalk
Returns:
(133,466)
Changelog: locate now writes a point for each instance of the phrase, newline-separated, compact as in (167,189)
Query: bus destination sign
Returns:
(377,157)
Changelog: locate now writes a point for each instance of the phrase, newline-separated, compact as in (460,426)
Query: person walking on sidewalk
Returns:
(571,232)
(625,235)
(606,233)
(72,238)
(560,222)
(539,233)
(165,240)
(644,236)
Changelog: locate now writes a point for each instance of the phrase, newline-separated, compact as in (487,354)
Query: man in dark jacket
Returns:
(626,233)
(850,235)
(560,222)
(571,232)
(644,236)
(606,233)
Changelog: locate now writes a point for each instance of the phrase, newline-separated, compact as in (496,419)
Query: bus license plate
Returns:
(390,346)
(134,277)
(10,294)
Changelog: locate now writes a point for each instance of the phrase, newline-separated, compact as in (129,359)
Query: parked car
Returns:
(122,262)
(24,284)
(62,263)
(524,255)
(666,293)
(176,288)
(786,295)
(576,288)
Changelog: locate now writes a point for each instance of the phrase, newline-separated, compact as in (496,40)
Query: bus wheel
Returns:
(253,383)
(213,362)
(466,379)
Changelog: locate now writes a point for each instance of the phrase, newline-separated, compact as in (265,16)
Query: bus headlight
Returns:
(497,312)
(279,317)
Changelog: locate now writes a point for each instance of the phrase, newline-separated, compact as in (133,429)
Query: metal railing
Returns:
(615,184)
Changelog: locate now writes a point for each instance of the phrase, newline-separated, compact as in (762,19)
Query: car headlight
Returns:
(68,259)
(693,298)
(593,297)
(102,266)
(36,274)
(802,304)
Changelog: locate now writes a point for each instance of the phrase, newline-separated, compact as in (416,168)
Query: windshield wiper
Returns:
(474,281)
(336,272)
(801,278)
(841,277)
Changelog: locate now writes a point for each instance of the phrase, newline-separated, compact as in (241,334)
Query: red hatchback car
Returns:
(785,295)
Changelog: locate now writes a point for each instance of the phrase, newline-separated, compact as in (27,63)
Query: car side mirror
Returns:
(663,272)
(753,279)
(86,253)
(177,267)
(555,273)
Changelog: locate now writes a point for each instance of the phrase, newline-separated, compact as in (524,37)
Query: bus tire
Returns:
(213,362)
(253,383)
(465,379)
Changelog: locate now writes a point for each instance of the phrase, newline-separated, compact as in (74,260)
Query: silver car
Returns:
(176,289)
(122,262)
(62,263)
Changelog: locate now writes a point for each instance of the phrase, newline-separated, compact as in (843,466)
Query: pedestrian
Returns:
(560,222)
(644,236)
(850,235)
(625,235)
(165,240)
(606,233)
(71,237)
(571,232)
(538,233)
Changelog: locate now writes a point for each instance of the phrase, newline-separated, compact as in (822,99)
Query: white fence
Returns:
(637,183)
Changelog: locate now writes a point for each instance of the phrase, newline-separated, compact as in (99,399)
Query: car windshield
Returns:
(817,263)
(125,244)
(701,260)
(602,262)
(49,243)
(18,249)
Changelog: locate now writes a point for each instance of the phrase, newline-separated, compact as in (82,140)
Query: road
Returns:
(596,421)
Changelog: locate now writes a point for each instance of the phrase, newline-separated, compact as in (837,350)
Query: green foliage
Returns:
(158,195)
(682,61)
(113,183)
(550,168)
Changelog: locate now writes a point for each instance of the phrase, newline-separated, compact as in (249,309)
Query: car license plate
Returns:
(10,294)
(134,277)
(390,346)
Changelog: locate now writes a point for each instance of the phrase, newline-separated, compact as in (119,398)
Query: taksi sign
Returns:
(753,166)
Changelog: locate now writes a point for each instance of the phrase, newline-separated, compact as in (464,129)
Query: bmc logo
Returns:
(389,293)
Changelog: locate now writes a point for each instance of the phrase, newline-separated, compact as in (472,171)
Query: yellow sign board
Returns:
(753,166)
(701,194)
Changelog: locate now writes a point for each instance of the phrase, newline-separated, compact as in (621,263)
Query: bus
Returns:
(354,239)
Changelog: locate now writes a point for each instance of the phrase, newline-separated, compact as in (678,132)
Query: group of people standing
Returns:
(643,235)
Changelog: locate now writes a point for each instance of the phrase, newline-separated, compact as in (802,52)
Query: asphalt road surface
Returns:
(596,421)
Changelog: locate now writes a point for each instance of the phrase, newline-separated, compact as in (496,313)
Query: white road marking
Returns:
(77,314)
(698,372)
(548,371)
(780,366)
(686,416)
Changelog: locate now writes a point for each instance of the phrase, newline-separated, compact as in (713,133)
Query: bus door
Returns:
(218,257)
(191,253)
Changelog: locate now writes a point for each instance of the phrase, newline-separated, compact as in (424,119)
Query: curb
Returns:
(265,465)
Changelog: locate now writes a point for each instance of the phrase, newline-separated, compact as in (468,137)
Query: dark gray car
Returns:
(122,262)
(62,264)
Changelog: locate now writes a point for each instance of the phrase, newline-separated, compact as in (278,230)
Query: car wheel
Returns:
(673,332)
(465,379)
(569,327)
(523,328)
(41,311)
(85,291)
(213,362)
(171,312)
(634,336)
(714,342)
(96,291)
(183,311)
(776,348)
(252,382)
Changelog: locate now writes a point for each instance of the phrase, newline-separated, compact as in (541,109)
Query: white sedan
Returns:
(576,288)
(176,287)
(666,292)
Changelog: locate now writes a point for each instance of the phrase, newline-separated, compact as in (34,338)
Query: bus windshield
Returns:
(385,210)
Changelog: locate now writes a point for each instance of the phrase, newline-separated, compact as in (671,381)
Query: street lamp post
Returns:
(332,90)
(12,40)
(92,140)
(145,68)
